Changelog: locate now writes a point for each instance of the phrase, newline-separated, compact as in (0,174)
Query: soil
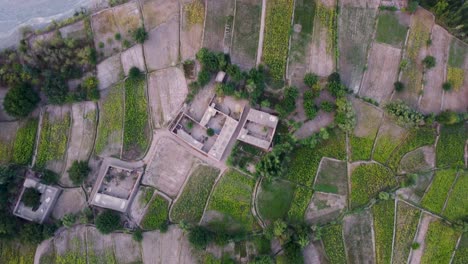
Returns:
(218,11)
(70,201)
(324,208)
(128,19)
(104,29)
(358,238)
(416,192)
(333,172)
(157,12)
(167,90)
(458,100)
(76,31)
(368,118)
(133,57)
(169,167)
(381,73)
(427,163)
(137,208)
(314,253)
(416,255)
(109,71)
(373,4)
(201,102)
(73,239)
(126,249)
(162,47)
(323,119)
(190,38)
(434,78)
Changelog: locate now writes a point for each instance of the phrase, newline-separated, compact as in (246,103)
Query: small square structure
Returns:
(116,184)
(258,129)
(49,195)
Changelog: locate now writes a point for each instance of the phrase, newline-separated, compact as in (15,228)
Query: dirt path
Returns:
(416,255)
(262,30)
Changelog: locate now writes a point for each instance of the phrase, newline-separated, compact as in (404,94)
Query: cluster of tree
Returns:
(108,221)
(404,114)
(287,105)
(345,117)
(450,118)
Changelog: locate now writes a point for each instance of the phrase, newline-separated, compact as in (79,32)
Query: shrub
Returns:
(447,86)
(49,177)
(310,79)
(68,220)
(210,132)
(101,45)
(399,86)
(235,72)
(327,106)
(108,221)
(415,246)
(345,116)
(199,237)
(134,73)
(403,113)
(288,104)
(429,62)
(20,100)
(140,35)
(448,118)
(55,88)
(31,198)
(137,235)
(90,88)
(412,6)
(204,77)
(210,61)
(78,172)
(309,107)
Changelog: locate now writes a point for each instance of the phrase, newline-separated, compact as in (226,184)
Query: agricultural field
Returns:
(461,255)
(157,12)
(110,128)
(367,180)
(332,177)
(333,243)
(274,199)
(457,72)
(407,219)
(412,74)
(163,45)
(392,28)
(457,202)
(25,141)
(439,243)
(355,29)
(137,130)
(245,157)
(191,29)
(325,208)
(368,119)
(128,19)
(388,139)
(109,71)
(53,139)
(229,208)
(14,252)
(357,233)
(246,33)
(451,146)
(276,42)
(191,203)
(219,25)
(104,29)
(157,214)
(7,141)
(383,214)
(436,195)
(299,205)
(133,57)
(419,160)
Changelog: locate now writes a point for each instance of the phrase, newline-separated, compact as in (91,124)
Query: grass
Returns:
(440,242)
(461,255)
(304,12)
(274,199)
(333,243)
(136,117)
(384,147)
(232,197)
(13,252)
(277,30)
(455,76)
(406,226)
(246,29)
(23,147)
(110,119)
(6,151)
(189,206)
(332,177)
(361,147)
(156,215)
(458,51)
(383,214)
(367,180)
(146,196)
(414,162)
(300,201)
(457,203)
(389,29)
(451,146)
(53,140)
(327,18)
(436,195)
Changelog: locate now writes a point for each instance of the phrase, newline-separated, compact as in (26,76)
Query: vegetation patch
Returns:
(156,215)
(12,252)
(333,242)
(455,76)
(300,201)
(277,28)
(189,206)
(383,214)
(451,146)
(457,203)
(23,147)
(361,147)
(389,29)
(435,197)
(245,156)
(53,140)
(332,177)
(304,13)
(367,180)
(457,53)
(407,219)
(389,137)
(440,242)
(274,199)
(461,255)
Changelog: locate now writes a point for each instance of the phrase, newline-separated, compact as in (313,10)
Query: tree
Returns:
(310,79)
(108,221)
(429,62)
(140,35)
(412,6)
(78,172)
(327,106)
(288,104)
(272,164)
(49,177)
(31,233)
(137,235)
(399,86)
(309,106)
(203,77)
(404,114)
(31,198)
(335,86)
(447,86)
(134,73)
(448,118)
(234,72)
(90,88)
(55,88)
(20,100)
(210,132)
(68,220)
(199,237)
(345,116)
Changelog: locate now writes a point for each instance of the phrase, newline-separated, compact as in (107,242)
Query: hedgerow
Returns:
(440,242)
(156,216)
(333,242)
(451,146)
(457,203)
(53,140)
(367,180)
(406,226)
(23,147)
(189,206)
(383,214)
(435,197)
(277,28)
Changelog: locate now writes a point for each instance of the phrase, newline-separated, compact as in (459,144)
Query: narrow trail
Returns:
(262,31)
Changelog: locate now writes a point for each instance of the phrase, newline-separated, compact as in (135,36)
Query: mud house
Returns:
(258,129)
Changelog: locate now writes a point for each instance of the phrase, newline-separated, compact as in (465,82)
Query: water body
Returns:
(15,14)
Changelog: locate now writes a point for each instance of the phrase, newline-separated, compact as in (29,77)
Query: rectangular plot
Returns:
(457,203)
(246,33)
(383,214)
(333,243)
(162,47)
(461,255)
(381,73)
(357,231)
(406,225)
(332,177)
(7,140)
(439,243)
(104,30)
(392,28)
(128,19)
(435,197)
(457,75)
(157,12)
(389,137)
(218,25)
(451,145)
(191,30)
(324,208)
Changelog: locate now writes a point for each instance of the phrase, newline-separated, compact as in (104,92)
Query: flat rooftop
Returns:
(49,195)
(258,129)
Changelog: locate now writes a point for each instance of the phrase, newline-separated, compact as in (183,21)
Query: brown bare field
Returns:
(423,227)
(133,57)
(83,133)
(434,78)
(104,29)
(373,4)
(217,13)
(324,208)
(76,31)
(167,90)
(7,140)
(358,238)
(368,118)
(190,37)
(458,100)
(128,18)
(70,201)
(162,47)
(382,72)
(109,71)
(157,12)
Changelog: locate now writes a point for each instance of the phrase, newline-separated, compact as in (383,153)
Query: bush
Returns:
(235,72)
(20,100)
(134,73)
(345,116)
(335,86)
(140,35)
(204,77)
(288,104)
(309,106)
(117,36)
(55,88)
(49,177)
(31,198)
(429,62)
(90,88)
(210,61)
(412,6)
(107,222)
(68,220)
(404,114)
(415,246)
(399,86)
(78,172)
(448,118)
(327,106)
(210,132)
(199,237)
(310,79)
(447,86)
(137,235)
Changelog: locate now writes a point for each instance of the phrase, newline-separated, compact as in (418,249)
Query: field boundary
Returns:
(450,191)
(395,217)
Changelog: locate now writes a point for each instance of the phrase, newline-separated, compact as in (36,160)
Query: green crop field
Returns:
(407,219)
(451,146)
(189,206)
(274,199)
(156,215)
(300,201)
(367,180)
(440,242)
(53,140)
(361,147)
(436,195)
(23,147)
(461,255)
(389,29)
(457,203)
(304,12)
(332,177)
(383,214)
(333,243)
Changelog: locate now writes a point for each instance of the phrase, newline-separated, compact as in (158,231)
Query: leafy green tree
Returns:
(68,220)
(345,116)
(447,86)
(78,172)
(134,73)
(404,114)
(234,72)
(399,86)
(108,221)
(90,88)
(210,132)
(55,88)
(199,237)
(203,77)
(288,103)
(327,106)
(140,35)
(448,118)
(20,100)
(31,234)
(31,198)
(49,177)
(310,108)
(310,79)
(429,62)
(272,165)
